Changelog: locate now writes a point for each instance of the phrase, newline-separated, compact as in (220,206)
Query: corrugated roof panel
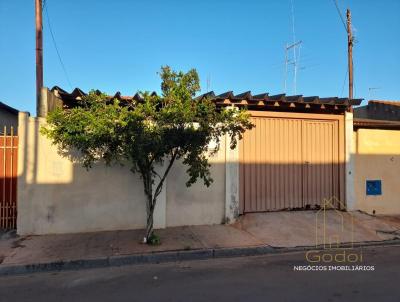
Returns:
(311,99)
(262,96)
(225,95)
(243,96)
(277,97)
(228,97)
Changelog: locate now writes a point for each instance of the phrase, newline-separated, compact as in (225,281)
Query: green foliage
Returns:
(154,239)
(162,128)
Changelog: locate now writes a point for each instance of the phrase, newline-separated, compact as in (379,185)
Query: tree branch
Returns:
(160,184)
(155,173)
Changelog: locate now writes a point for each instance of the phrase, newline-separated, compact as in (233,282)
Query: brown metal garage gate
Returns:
(291,161)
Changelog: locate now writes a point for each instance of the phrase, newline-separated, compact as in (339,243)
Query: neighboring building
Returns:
(8,118)
(379,110)
(8,166)
(376,157)
(375,124)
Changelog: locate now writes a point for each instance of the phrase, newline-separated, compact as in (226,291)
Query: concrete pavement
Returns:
(261,278)
(279,229)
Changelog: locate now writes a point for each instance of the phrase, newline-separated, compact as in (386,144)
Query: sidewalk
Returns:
(274,230)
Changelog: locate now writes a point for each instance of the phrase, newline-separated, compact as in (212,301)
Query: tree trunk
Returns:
(152,200)
(149,221)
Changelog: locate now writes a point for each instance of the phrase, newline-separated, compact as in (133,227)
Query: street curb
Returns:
(170,256)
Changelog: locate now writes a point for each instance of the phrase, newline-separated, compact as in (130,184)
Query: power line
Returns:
(355,86)
(55,44)
(340,15)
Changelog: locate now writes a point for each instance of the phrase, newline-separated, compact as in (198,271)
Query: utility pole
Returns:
(39,53)
(350,53)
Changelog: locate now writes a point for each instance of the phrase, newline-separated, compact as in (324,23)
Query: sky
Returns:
(235,45)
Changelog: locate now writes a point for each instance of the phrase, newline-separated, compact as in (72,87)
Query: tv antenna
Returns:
(208,85)
(295,59)
(294,62)
(370,90)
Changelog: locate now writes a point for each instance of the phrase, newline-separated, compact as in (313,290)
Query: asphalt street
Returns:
(261,278)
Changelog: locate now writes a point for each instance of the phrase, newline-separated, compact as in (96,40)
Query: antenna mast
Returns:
(208,83)
(294,62)
(296,55)
(370,89)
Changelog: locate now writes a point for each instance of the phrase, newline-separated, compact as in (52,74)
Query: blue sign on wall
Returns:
(374,187)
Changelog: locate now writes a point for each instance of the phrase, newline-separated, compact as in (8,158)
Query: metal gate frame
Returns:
(8,179)
(302,116)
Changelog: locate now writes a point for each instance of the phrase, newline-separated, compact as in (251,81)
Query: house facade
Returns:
(8,118)
(8,166)
(376,153)
(297,155)
(376,156)
(379,110)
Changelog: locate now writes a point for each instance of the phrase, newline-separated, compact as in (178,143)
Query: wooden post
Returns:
(350,53)
(39,53)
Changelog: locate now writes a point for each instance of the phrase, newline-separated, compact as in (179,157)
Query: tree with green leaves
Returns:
(155,130)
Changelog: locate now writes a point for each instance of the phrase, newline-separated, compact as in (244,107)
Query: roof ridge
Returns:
(384,102)
(245,98)
(8,108)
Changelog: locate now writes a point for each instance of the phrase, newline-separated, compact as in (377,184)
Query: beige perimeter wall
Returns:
(377,156)
(58,196)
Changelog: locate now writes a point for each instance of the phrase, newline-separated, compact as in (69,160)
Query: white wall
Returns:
(58,196)
(349,159)
(197,204)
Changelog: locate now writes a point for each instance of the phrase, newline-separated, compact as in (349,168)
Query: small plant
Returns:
(154,239)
